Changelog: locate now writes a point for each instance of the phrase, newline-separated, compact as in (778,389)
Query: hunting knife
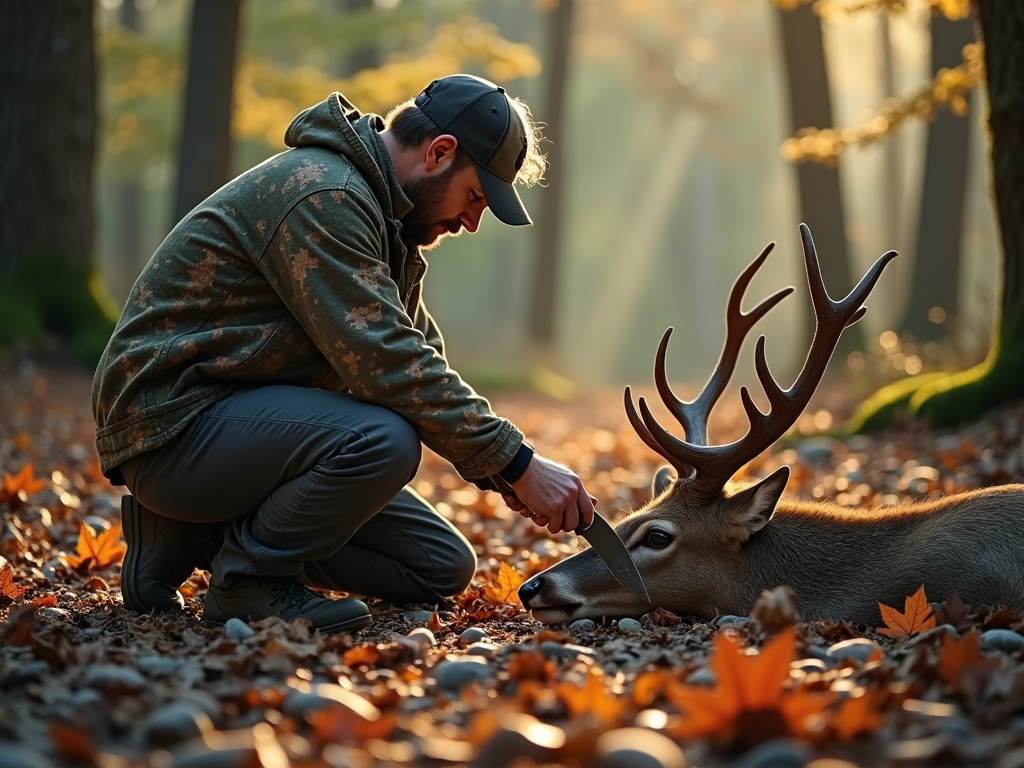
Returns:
(605,541)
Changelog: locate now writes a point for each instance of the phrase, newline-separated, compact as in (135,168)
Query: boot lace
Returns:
(292,593)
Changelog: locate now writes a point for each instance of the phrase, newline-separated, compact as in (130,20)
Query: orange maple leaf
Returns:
(960,657)
(8,589)
(917,616)
(859,713)
(750,701)
(25,480)
(593,699)
(97,551)
(507,588)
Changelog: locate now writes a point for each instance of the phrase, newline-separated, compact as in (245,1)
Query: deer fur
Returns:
(840,562)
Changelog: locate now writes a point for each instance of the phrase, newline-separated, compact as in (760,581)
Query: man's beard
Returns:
(419,226)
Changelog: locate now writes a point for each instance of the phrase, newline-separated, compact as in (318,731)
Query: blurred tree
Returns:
(47,130)
(810,104)
(204,156)
(547,267)
(945,400)
(936,282)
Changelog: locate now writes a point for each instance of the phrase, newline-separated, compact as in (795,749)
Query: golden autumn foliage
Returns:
(21,484)
(8,589)
(505,586)
(917,617)
(97,551)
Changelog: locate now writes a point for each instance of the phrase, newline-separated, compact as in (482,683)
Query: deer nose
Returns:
(530,590)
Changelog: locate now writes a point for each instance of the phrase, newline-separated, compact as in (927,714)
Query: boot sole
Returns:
(340,626)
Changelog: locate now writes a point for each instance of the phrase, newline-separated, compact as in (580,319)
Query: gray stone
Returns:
(455,675)
(423,636)
(237,630)
(418,617)
(89,710)
(702,676)
(1001,640)
(114,680)
(176,722)
(13,755)
(817,450)
(631,626)
(558,651)
(24,673)
(857,648)
(637,748)
(98,524)
(57,614)
(810,665)
(158,666)
(473,635)
(297,703)
(778,753)
(487,650)
(730,619)
(582,625)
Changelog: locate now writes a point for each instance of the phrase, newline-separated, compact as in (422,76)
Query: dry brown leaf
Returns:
(594,700)
(338,723)
(917,617)
(506,588)
(962,657)
(8,589)
(858,714)
(954,611)
(46,601)
(97,551)
(24,482)
(72,743)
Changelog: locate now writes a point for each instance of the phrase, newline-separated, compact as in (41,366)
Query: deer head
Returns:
(687,541)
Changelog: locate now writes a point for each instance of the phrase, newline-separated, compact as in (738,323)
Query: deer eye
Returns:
(658,539)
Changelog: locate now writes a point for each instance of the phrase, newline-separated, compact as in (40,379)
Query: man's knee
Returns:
(455,570)
(399,445)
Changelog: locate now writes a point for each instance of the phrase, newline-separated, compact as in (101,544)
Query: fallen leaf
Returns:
(858,714)
(954,611)
(72,743)
(46,601)
(24,481)
(594,700)
(338,723)
(8,589)
(917,617)
(507,586)
(961,658)
(97,551)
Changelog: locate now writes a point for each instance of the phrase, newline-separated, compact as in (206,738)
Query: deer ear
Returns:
(752,508)
(663,478)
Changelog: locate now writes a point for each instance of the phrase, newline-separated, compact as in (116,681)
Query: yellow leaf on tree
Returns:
(8,589)
(97,551)
(917,617)
(507,587)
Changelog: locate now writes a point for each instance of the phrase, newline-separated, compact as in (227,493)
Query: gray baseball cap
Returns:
(480,115)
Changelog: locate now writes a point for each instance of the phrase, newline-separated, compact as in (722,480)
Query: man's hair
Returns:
(411,127)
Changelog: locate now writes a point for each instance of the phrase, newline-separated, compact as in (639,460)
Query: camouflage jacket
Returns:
(292,273)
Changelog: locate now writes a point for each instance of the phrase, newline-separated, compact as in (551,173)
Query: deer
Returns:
(708,547)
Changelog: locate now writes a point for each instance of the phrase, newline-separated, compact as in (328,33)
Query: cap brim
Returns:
(503,199)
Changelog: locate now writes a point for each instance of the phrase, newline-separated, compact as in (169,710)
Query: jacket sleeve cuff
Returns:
(515,468)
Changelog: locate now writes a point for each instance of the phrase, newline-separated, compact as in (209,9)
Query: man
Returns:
(273,374)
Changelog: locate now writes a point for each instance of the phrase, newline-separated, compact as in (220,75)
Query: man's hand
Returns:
(552,496)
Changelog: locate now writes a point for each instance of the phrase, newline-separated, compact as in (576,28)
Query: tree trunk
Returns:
(47,130)
(549,226)
(821,205)
(936,281)
(204,161)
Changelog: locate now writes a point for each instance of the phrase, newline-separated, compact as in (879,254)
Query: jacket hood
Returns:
(336,124)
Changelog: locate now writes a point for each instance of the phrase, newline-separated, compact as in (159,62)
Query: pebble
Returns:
(558,651)
(455,675)
(89,710)
(778,753)
(637,748)
(730,619)
(98,524)
(487,650)
(1001,640)
(23,674)
(297,703)
(14,755)
(60,614)
(582,625)
(631,626)
(176,722)
(857,648)
(158,666)
(417,617)
(473,635)
(423,636)
(817,450)
(113,680)
(702,676)
(808,666)
(237,630)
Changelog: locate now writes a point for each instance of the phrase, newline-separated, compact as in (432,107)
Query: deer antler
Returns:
(707,468)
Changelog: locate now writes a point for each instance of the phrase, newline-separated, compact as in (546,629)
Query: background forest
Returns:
(666,119)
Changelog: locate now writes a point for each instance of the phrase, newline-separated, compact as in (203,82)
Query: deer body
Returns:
(707,550)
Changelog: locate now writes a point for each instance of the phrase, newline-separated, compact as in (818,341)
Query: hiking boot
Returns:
(161,554)
(255,598)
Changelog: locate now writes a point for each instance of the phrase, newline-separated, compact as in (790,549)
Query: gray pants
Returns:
(314,484)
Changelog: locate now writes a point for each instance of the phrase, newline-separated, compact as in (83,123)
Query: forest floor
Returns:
(85,681)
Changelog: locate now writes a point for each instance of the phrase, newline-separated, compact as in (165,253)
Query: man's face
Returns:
(445,202)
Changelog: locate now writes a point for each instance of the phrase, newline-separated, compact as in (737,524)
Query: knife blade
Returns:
(605,541)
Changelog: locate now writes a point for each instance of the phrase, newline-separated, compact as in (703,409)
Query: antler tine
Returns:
(693,415)
(640,426)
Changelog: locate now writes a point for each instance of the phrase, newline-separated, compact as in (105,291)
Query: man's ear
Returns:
(440,152)
(750,510)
